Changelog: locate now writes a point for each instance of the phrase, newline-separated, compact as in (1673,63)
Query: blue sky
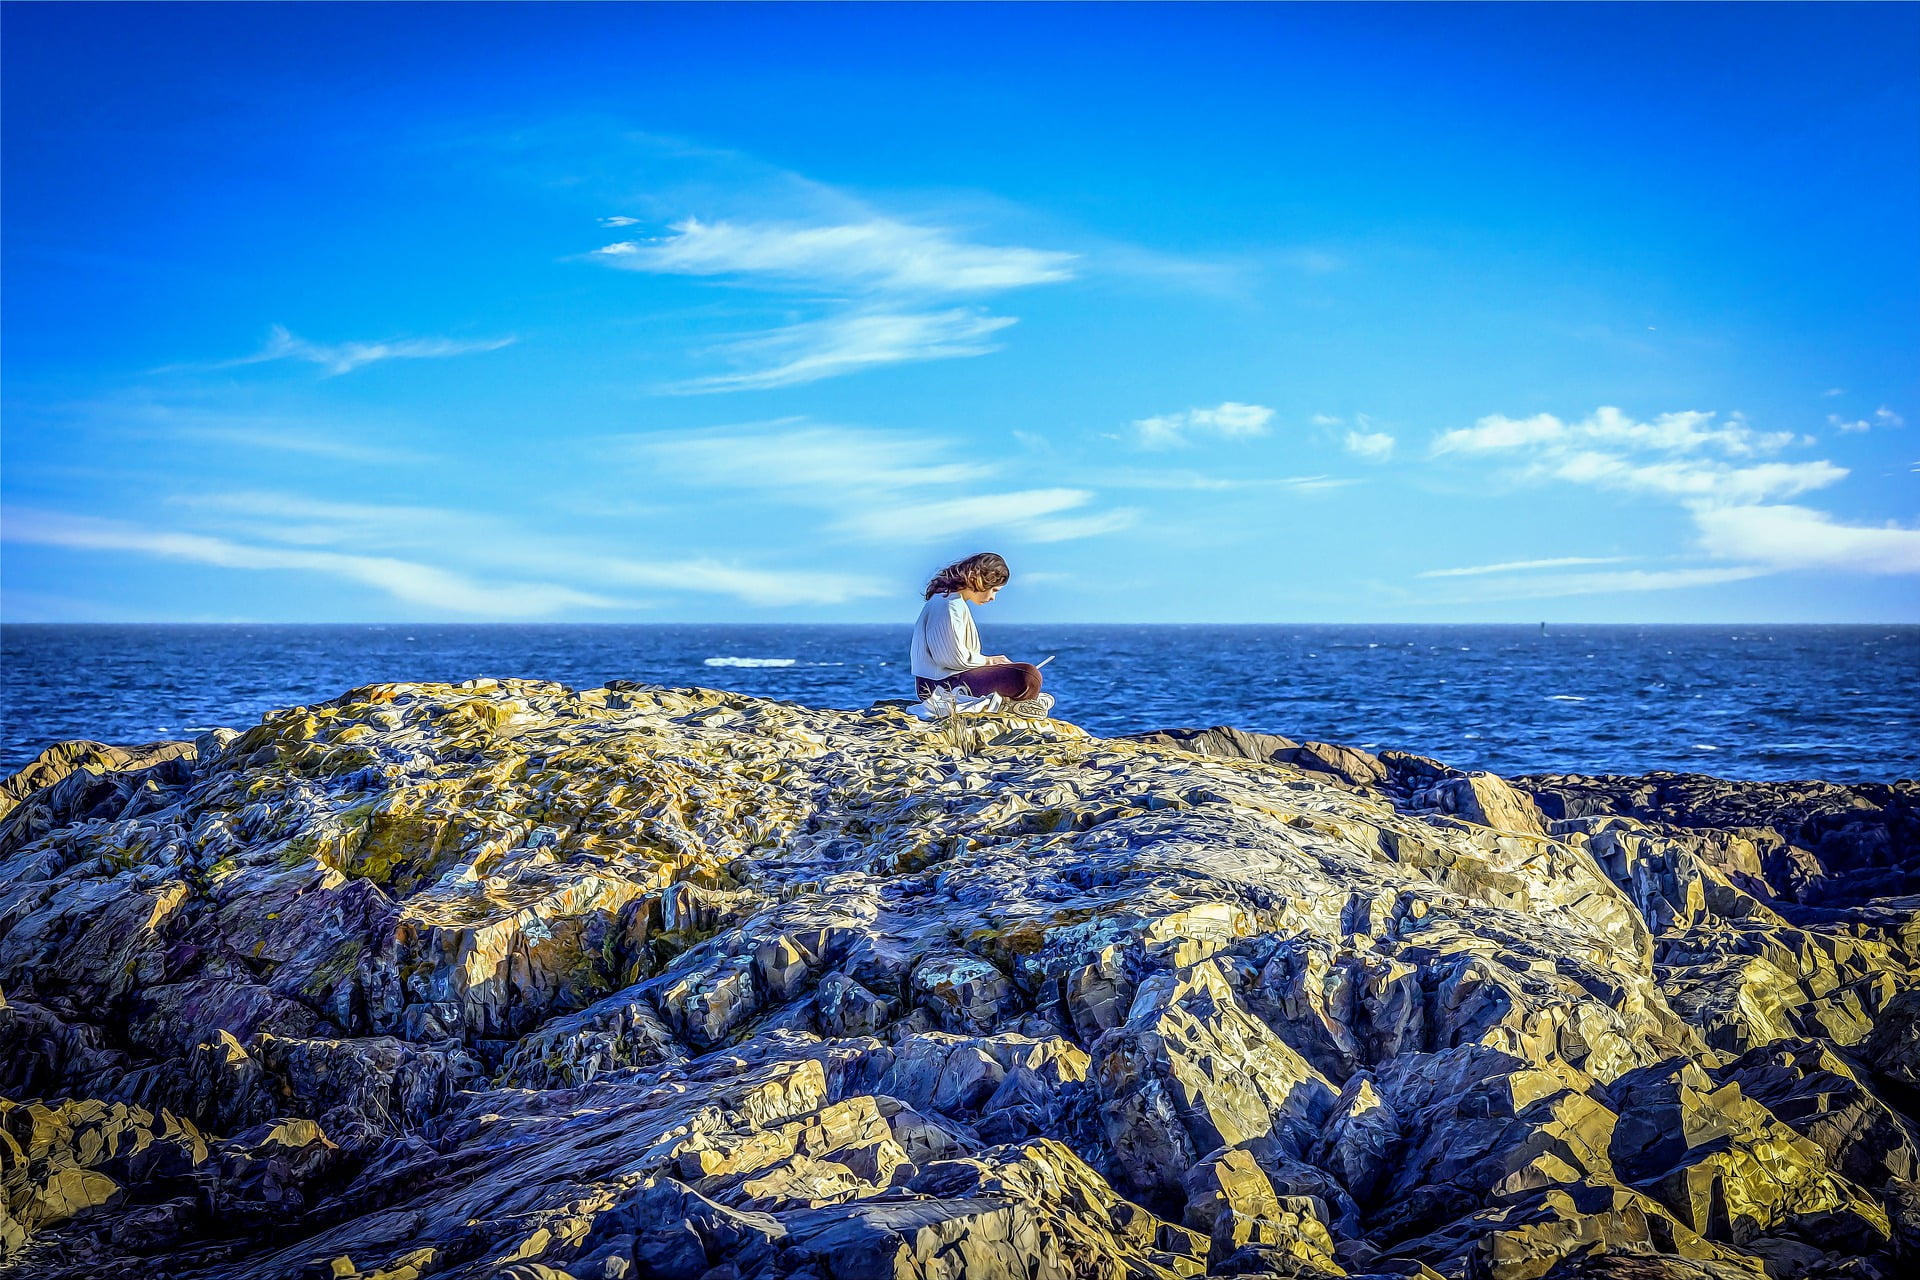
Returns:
(1243,314)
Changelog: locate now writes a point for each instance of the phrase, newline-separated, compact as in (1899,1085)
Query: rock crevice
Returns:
(506,979)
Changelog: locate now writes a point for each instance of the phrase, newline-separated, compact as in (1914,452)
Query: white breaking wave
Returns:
(750,662)
(1564,697)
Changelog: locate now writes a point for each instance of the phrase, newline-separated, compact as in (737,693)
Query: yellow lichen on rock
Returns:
(513,979)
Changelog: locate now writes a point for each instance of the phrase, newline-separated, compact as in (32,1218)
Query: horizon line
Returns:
(905,626)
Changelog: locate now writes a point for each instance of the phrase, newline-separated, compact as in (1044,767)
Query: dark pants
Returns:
(1013,681)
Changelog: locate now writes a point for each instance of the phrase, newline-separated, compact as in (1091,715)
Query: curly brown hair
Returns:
(978,572)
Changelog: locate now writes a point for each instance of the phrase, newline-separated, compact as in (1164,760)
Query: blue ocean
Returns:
(1834,702)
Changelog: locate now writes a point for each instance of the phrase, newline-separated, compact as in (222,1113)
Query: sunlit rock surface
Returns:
(508,980)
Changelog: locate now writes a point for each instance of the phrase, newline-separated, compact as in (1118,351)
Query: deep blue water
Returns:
(1837,702)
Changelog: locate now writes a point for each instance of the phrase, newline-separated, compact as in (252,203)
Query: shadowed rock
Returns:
(507,980)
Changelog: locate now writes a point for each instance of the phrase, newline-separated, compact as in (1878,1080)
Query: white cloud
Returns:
(193,418)
(880,289)
(1609,450)
(619,220)
(1197,481)
(292,518)
(1313,484)
(1613,582)
(1031,515)
(1834,391)
(1882,417)
(1608,583)
(815,463)
(362,535)
(1325,420)
(754,586)
(849,342)
(1523,566)
(1789,537)
(1221,277)
(1495,433)
(408,581)
(934,520)
(294,506)
(1687,432)
(1071,528)
(1694,479)
(252,433)
(1709,467)
(1230,420)
(879,486)
(1370,444)
(879,254)
(345,357)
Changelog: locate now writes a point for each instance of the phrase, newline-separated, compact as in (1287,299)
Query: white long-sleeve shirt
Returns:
(944,640)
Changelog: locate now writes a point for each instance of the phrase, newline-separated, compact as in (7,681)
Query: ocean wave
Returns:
(750,662)
(1564,697)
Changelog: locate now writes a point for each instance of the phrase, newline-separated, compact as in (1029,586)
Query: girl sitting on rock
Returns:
(946,648)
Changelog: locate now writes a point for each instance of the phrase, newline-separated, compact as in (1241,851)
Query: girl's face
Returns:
(979,597)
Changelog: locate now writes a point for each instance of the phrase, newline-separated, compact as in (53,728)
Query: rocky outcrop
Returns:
(100,761)
(507,980)
(1811,844)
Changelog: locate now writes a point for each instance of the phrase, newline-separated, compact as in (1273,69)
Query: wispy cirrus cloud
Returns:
(706,575)
(305,521)
(486,538)
(848,343)
(1545,587)
(1031,515)
(803,459)
(203,417)
(879,254)
(281,506)
(1179,480)
(884,289)
(875,486)
(1522,566)
(253,434)
(344,357)
(391,547)
(1229,420)
(410,582)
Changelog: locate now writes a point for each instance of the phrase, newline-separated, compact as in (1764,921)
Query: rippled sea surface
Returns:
(1836,702)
